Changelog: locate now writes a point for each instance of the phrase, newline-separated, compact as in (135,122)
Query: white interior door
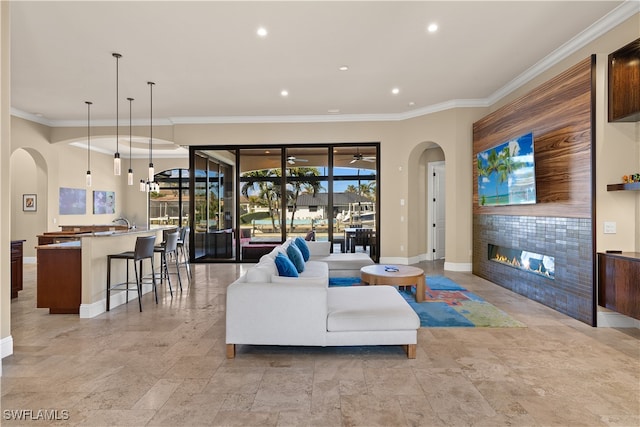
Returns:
(437,209)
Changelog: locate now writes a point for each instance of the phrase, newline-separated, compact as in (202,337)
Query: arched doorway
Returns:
(428,199)
(29,176)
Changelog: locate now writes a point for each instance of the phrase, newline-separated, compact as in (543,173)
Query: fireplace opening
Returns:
(531,262)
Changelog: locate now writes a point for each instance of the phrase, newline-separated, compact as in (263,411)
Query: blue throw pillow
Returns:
(302,245)
(296,257)
(285,266)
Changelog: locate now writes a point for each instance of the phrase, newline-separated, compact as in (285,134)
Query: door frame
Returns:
(432,193)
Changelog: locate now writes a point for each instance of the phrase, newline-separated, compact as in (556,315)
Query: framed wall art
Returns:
(73,201)
(104,202)
(29,202)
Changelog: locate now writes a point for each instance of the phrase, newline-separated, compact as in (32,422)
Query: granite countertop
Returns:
(74,244)
(137,230)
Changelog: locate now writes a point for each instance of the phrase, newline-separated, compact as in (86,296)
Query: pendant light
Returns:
(88,178)
(130,174)
(116,157)
(151,169)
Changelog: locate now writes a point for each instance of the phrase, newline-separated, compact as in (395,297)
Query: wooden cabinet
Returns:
(619,282)
(16,267)
(52,237)
(624,83)
(59,278)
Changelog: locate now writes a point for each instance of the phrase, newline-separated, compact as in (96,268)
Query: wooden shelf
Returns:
(624,187)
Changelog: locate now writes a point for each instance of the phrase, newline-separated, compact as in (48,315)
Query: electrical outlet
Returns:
(401,248)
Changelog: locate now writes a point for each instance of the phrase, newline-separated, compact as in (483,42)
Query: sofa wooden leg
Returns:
(231,351)
(411,351)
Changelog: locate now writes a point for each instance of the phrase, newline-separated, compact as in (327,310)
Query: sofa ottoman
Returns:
(365,315)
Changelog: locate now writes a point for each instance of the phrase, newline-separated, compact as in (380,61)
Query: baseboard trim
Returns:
(458,266)
(88,311)
(394,260)
(611,319)
(6,347)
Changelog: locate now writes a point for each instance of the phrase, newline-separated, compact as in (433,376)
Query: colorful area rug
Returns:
(448,305)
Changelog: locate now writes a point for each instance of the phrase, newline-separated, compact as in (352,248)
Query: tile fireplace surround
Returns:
(567,240)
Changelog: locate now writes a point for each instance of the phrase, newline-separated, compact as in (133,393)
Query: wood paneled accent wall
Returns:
(559,113)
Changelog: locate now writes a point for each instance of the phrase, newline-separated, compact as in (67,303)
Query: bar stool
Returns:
(168,247)
(183,246)
(143,250)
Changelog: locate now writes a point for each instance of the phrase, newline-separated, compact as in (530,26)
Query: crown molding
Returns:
(334,118)
(617,16)
(32,117)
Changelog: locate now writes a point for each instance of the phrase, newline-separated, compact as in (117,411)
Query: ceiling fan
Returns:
(293,159)
(359,157)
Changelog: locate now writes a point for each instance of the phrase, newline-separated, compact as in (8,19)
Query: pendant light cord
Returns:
(130,102)
(88,134)
(151,123)
(117,56)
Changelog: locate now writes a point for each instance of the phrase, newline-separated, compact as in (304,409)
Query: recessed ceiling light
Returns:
(284,92)
(262,32)
(343,68)
(395,91)
(432,28)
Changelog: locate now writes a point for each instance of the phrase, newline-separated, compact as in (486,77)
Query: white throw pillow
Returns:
(266,257)
(262,272)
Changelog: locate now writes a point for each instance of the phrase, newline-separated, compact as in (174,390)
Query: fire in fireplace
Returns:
(531,262)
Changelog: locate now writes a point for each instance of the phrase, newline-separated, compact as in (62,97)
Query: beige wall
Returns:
(6,344)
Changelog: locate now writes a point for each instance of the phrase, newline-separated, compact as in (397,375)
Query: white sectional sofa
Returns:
(264,308)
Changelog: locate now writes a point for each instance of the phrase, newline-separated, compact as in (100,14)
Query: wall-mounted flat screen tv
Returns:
(507,173)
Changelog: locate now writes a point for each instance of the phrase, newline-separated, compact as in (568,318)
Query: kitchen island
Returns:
(91,267)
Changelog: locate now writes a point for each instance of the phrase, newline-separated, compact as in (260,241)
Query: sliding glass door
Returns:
(247,199)
(214,205)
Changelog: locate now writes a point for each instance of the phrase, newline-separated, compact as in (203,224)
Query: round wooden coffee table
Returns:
(378,274)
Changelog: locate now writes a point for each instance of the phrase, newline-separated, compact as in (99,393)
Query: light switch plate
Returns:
(609,227)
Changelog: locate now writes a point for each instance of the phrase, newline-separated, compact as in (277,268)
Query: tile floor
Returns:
(166,366)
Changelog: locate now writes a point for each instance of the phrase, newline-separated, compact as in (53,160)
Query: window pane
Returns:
(165,205)
(260,201)
(307,186)
(355,193)
(214,205)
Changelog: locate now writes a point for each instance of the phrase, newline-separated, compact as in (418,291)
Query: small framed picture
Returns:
(29,202)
